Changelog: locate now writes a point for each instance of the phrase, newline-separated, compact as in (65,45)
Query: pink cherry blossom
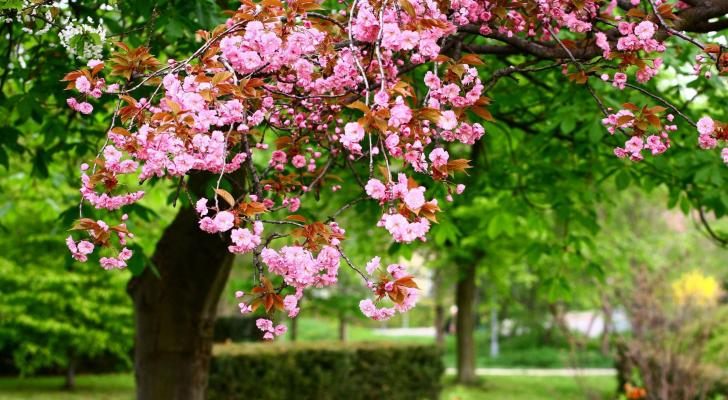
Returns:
(644,30)
(706,126)
(415,198)
(83,85)
(373,265)
(298,161)
(707,142)
(376,189)
(620,79)
(439,157)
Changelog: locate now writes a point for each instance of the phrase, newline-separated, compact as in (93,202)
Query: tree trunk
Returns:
(70,383)
(465,299)
(294,330)
(294,323)
(439,309)
(494,331)
(342,327)
(175,312)
(439,324)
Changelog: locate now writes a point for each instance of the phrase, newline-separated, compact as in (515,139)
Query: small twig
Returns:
(581,68)
(348,261)
(676,32)
(663,101)
(281,222)
(513,69)
(326,18)
(344,208)
(323,172)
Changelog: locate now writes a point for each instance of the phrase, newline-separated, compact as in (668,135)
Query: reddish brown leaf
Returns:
(226,196)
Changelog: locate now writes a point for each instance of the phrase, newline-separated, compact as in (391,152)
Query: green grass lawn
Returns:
(121,387)
(89,387)
(534,388)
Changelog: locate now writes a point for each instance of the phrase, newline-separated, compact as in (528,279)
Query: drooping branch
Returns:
(704,221)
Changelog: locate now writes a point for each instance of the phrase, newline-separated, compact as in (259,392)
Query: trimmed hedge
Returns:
(236,329)
(323,371)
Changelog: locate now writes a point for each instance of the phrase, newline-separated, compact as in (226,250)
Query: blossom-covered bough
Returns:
(285,94)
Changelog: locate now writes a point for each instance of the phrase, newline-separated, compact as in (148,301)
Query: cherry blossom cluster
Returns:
(270,331)
(711,133)
(648,132)
(397,30)
(101,233)
(701,62)
(300,269)
(410,197)
(80,250)
(395,284)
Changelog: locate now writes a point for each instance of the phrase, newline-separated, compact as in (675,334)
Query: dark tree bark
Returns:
(175,312)
(465,300)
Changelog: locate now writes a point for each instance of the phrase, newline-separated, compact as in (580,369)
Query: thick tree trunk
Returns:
(465,299)
(175,312)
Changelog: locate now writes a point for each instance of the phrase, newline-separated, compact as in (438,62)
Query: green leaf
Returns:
(596,132)
(685,205)
(568,124)
(622,179)
(11,4)
(494,226)
(40,163)
(4,158)
(445,231)
(138,261)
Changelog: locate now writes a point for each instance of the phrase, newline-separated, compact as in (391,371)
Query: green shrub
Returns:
(325,370)
(236,329)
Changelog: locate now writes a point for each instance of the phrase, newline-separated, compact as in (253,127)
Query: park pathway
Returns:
(539,371)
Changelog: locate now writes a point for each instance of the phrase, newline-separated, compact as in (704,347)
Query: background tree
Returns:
(55,318)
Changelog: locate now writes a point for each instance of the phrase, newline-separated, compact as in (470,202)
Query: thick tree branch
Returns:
(705,27)
(694,19)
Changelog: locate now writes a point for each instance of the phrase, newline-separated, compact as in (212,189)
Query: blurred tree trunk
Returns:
(175,311)
(70,383)
(294,329)
(293,332)
(465,299)
(439,309)
(342,326)
(494,330)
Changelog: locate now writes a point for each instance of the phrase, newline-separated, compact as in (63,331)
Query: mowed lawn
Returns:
(89,387)
(121,387)
(534,388)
